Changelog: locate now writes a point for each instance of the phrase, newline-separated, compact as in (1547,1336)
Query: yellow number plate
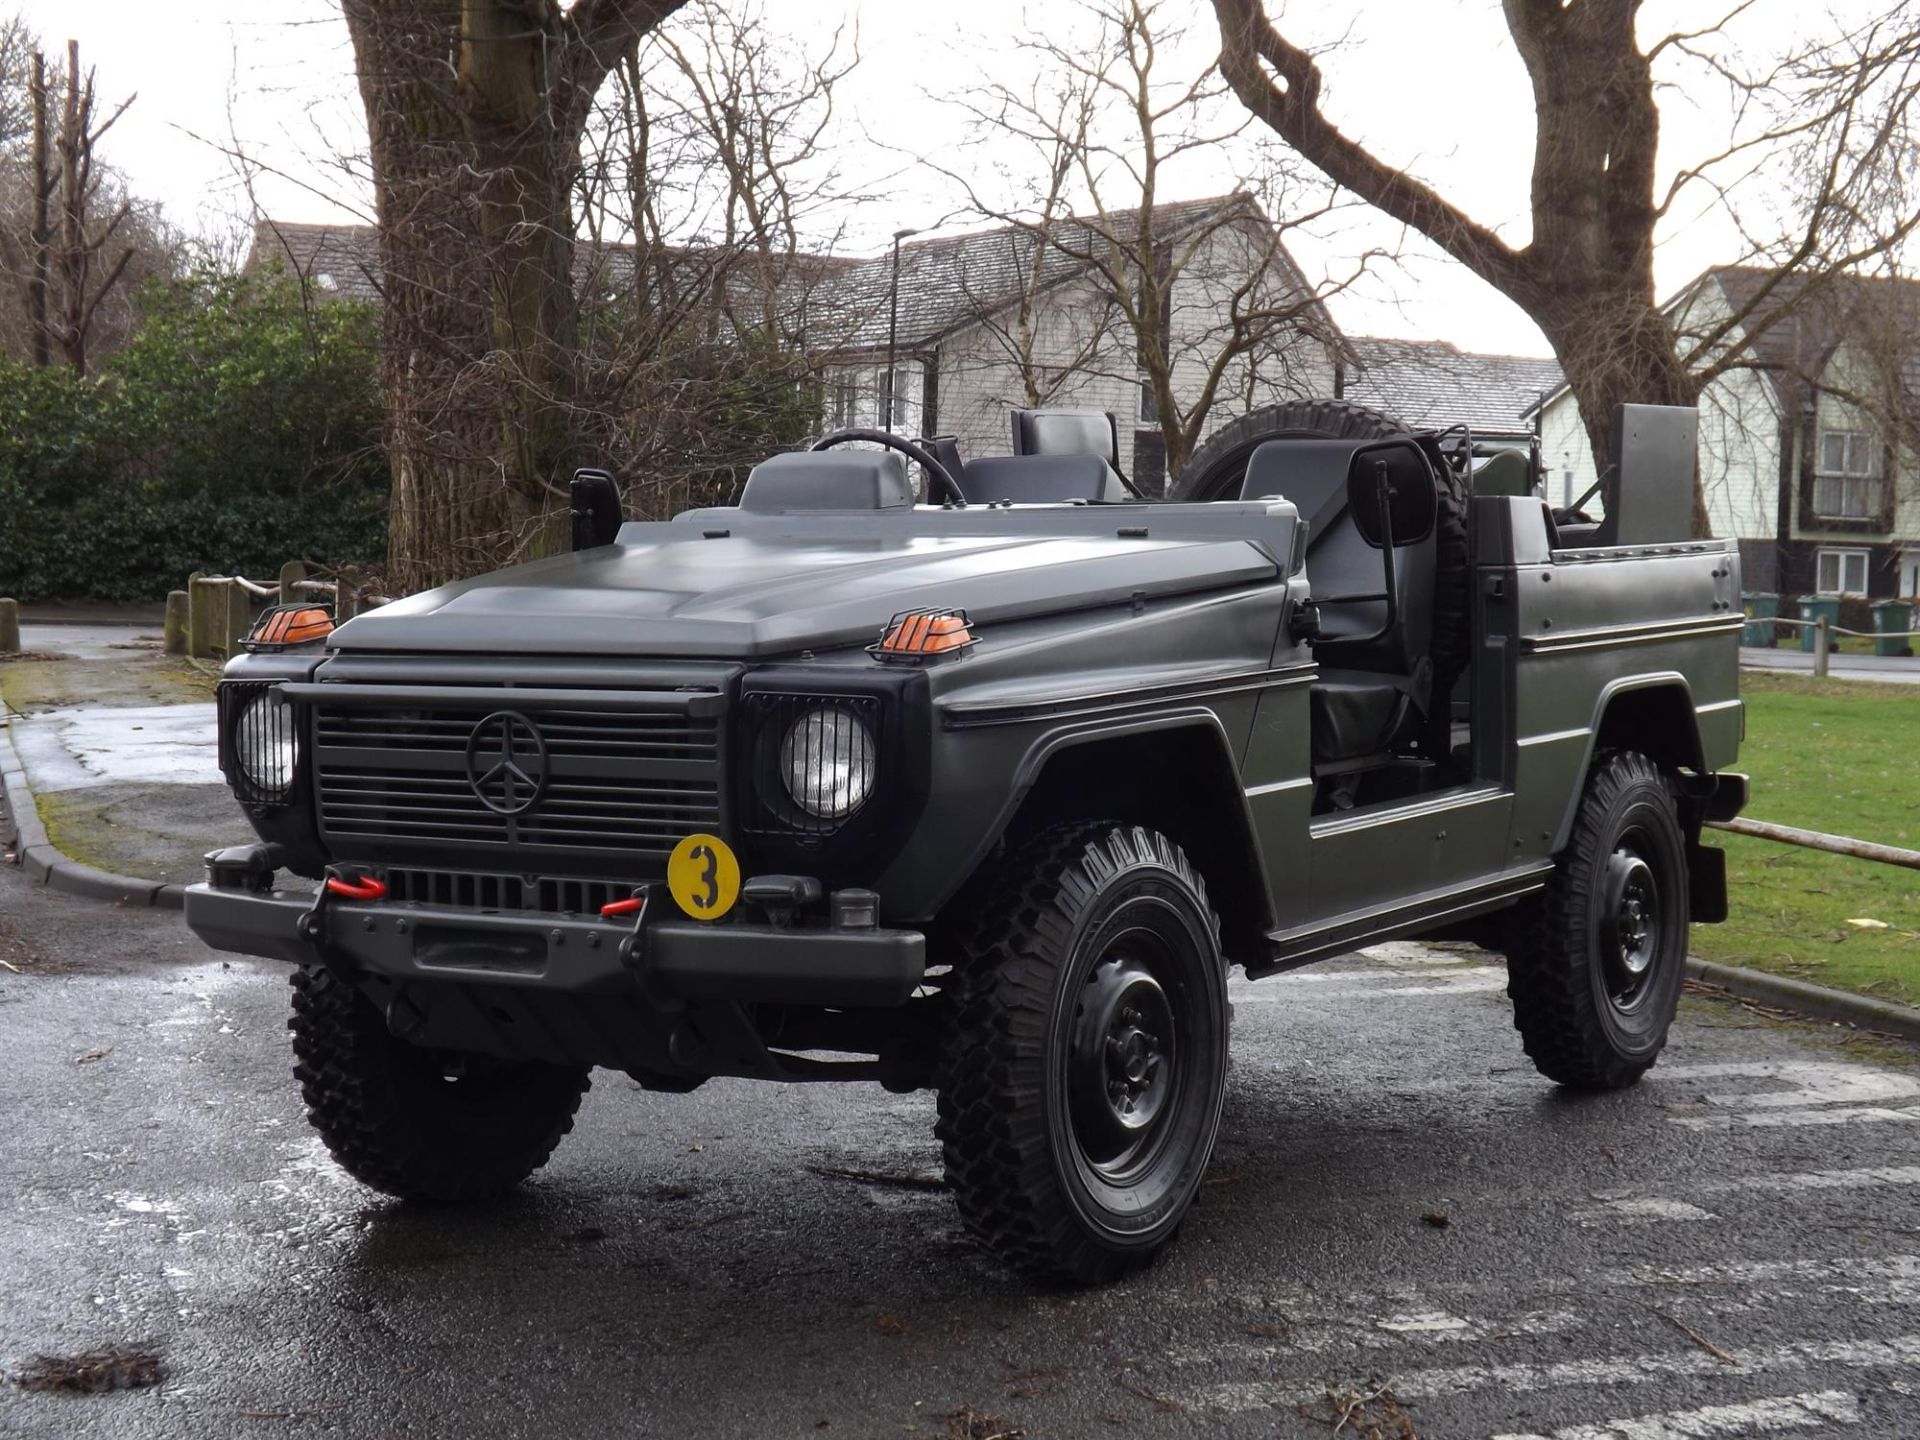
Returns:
(704,876)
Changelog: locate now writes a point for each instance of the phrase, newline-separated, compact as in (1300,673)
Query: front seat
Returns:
(1376,676)
(1067,432)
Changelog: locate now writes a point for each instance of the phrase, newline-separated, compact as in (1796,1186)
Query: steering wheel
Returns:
(919,454)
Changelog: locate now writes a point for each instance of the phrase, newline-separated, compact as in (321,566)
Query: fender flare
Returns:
(1691,752)
(1069,736)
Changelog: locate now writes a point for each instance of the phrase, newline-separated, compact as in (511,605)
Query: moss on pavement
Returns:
(141,678)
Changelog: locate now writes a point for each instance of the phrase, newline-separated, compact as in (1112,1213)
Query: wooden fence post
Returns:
(9,626)
(291,574)
(237,619)
(177,630)
(200,598)
(1822,647)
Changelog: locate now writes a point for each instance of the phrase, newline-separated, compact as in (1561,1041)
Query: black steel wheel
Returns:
(1085,1064)
(421,1124)
(1595,964)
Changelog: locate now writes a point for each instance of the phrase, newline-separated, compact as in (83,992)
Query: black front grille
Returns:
(629,783)
(465,890)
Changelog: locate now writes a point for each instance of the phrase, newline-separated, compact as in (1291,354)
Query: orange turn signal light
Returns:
(288,625)
(916,635)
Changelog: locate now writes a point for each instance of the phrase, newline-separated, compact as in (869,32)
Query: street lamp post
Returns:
(893,325)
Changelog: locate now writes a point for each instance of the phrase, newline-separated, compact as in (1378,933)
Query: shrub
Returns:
(239,429)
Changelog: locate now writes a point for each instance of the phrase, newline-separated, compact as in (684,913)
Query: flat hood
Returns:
(684,590)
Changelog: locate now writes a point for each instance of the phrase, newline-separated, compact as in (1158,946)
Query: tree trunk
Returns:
(1586,277)
(473,169)
(74,255)
(1615,352)
(40,231)
(527,162)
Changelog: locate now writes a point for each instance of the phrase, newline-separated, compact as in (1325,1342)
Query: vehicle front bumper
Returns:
(691,960)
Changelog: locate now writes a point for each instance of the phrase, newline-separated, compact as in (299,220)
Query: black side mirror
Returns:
(1391,493)
(1393,501)
(595,498)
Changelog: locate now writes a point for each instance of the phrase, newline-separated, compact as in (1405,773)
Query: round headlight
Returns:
(264,743)
(827,761)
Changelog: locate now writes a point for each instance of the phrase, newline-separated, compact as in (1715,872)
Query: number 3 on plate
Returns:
(704,876)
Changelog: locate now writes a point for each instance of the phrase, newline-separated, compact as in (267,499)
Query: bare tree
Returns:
(473,166)
(18,46)
(715,139)
(67,227)
(1202,301)
(1835,114)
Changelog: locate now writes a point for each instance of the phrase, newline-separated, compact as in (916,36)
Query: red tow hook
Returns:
(366,888)
(633,905)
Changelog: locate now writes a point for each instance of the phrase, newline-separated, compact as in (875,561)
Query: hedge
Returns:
(239,429)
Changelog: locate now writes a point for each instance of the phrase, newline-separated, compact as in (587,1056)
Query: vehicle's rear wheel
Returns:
(1595,964)
(1085,1064)
(417,1123)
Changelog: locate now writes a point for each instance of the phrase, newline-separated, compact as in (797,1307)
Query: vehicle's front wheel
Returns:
(1595,964)
(1085,1066)
(417,1123)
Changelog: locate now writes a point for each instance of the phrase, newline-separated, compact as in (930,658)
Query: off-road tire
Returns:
(393,1119)
(1573,1025)
(1053,919)
(1217,469)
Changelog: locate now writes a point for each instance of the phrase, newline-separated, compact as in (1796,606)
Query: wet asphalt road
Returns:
(1729,1249)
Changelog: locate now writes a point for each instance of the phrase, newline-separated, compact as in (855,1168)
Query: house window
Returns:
(1845,486)
(1846,452)
(1842,572)
(1910,573)
(844,403)
(1149,407)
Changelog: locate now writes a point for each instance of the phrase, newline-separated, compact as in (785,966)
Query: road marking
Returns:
(1632,1209)
(1381,976)
(1765,1272)
(1380,1333)
(1902,1351)
(1642,1208)
(1775,1119)
(1859,1090)
(1467,980)
(1886,1280)
(1753,1417)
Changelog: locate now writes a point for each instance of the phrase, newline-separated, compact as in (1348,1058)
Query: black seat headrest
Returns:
(828,480)
(1040,479)
(1067,432)
(1312,473)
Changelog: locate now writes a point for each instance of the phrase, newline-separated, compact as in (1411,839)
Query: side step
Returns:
(1290,949)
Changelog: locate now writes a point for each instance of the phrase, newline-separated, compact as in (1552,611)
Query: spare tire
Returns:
(1218,468)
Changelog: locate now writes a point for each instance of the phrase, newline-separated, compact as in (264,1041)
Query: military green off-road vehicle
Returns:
(986,793)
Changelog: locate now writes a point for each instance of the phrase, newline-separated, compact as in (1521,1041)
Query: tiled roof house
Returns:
(1807,447)
(1427,383)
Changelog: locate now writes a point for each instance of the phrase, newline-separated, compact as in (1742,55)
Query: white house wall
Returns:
(1740,456)
(1739,441)
(1293,365)
(1565,453)
(980,381)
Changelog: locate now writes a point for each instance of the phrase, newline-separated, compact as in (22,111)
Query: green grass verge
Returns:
(1845,758)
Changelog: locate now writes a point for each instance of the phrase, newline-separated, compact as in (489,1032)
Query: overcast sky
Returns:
(1433,85)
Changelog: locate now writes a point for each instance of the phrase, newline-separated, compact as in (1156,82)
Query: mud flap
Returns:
(1706,884)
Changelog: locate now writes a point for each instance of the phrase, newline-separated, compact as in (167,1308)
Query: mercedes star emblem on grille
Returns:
(507,762)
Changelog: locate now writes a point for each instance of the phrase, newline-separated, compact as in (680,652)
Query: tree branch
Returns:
(1284,91)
